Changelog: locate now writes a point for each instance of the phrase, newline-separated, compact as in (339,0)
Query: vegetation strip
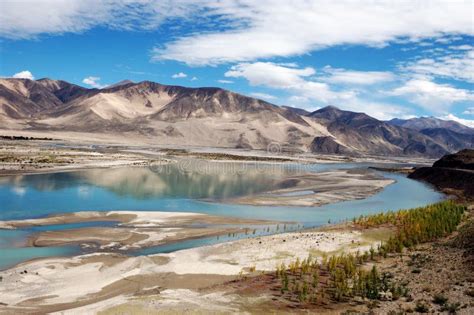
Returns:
(346,276)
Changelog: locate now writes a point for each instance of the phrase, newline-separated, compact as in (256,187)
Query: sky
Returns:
(389,59)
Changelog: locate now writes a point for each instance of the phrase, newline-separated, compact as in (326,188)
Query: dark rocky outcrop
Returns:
(453,172)
(464,160)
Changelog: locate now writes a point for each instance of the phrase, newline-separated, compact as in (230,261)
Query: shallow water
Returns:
(179,187)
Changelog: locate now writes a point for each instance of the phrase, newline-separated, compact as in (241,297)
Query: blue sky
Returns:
(389,59)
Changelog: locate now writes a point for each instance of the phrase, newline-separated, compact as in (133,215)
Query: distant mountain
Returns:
(451,140)
(358,132)
(421,123)
(120,83)
(296,110)
(149,112)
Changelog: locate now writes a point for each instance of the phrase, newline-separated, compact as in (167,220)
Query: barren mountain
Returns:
(148,112)
(421,123)
(358,132)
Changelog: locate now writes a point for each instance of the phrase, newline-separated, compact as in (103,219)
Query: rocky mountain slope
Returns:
(423,123)
(358,132)
(149,112)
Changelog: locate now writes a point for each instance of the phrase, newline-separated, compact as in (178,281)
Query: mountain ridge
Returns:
(210,116)
(421,123)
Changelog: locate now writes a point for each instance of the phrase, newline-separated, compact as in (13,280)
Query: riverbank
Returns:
(46,284)
(42,156)
(133,229)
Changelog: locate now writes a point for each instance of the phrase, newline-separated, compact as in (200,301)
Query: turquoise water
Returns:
(13,250)
(199,188)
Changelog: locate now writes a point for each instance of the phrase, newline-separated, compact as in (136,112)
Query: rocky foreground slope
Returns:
(453,173)
(149,112)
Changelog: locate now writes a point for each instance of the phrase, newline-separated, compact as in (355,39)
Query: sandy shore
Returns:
(134,229)
(311,190)
(27,157)
(46,284)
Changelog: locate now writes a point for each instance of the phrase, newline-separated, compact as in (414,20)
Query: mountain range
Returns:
(149,112)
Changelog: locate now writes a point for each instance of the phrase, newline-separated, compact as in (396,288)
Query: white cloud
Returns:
(24,75)
(469,111)
(466,122)
(225,81)
(179,75)
(29,18)
(344,76)
(264,96)
(93,82)
(379,110)
(291,79)
(270,74)
(308,93)
(288,28)
(462,47)
(459,67)
(432,96)
(268,28)
(194,78)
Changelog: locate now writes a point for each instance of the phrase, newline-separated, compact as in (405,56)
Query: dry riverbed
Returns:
(178,281)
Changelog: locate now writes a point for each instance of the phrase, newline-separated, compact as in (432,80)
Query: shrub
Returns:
(451,308)
(439,299)
(421,307)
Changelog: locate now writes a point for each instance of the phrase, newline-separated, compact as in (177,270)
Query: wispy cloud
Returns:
(93,82)
(264,96)
(465,122)
(268,28)
(431,95)
(447,65)
(469,111)
(352,77)
(56,17)
(288,28)
(291,79)
(225,81)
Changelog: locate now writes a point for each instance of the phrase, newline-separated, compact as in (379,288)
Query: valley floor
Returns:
(230,277)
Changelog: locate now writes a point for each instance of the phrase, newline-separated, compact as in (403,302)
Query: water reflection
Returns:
(207,180)
(174,188)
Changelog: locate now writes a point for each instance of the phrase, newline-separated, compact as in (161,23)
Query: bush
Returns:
(439,299)
(421,307)
(451,308)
